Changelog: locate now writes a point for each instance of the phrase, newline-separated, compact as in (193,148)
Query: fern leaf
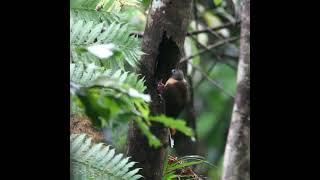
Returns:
(125,168)
(85,75)
(138,176)
(120,165)
(131,173)
(88,15)
(92,151)
(84,34)
(77,142)
(114,161)
(116,5)
(91,167)
(108,157)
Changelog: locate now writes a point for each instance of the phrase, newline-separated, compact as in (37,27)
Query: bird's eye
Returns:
(173,71)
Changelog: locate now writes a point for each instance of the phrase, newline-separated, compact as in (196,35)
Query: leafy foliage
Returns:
(120,97)
(217,2)
(84,34)
(86,74)
(180,168)
(81,12)
(212,108)
(98,161)
(117,4)
(99,10)
(177,124)
(102,87)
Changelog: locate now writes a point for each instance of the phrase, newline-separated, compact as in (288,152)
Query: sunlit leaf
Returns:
(102,51)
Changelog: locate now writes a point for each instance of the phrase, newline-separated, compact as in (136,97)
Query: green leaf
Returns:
(142,108)
(182,165)
(94,109)
(217,2)
(177,124)
(152,139)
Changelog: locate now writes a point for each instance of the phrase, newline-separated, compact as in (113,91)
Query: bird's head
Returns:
(177,74)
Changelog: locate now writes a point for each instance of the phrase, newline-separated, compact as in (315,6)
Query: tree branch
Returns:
(212,53)
(207,30)
(220,43)
(203,78)
(215,83)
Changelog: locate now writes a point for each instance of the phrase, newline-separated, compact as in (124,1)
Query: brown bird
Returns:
(175,94)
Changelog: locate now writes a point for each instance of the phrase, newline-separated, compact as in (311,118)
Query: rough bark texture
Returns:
(163,41)
(81,124)
(237,154)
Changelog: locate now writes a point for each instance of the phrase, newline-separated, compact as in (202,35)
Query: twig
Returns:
(212,81)
(213,29)
(210,47)
(212,53)
(234,58)
(208,71)
(195,14)
(207,30)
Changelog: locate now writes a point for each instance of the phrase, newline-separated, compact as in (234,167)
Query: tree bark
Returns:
(82,124)
(162,44)
(237,153)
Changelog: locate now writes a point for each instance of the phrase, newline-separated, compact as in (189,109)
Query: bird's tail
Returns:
(171,141)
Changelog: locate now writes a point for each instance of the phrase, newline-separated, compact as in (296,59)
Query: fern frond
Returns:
(116,5)
(174,168)
(83,34)
(91,15)
(86,74)
(99,10)
(86,10)
(98,161)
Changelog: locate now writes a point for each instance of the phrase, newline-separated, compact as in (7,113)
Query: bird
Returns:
(174,92)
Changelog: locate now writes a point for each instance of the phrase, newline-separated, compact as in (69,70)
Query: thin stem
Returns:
(203,78)
(212,53)
(207,30)
(219,43)
(215,83)
(213,29)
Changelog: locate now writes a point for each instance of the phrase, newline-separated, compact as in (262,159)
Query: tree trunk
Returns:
(163,42)
(237,153)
